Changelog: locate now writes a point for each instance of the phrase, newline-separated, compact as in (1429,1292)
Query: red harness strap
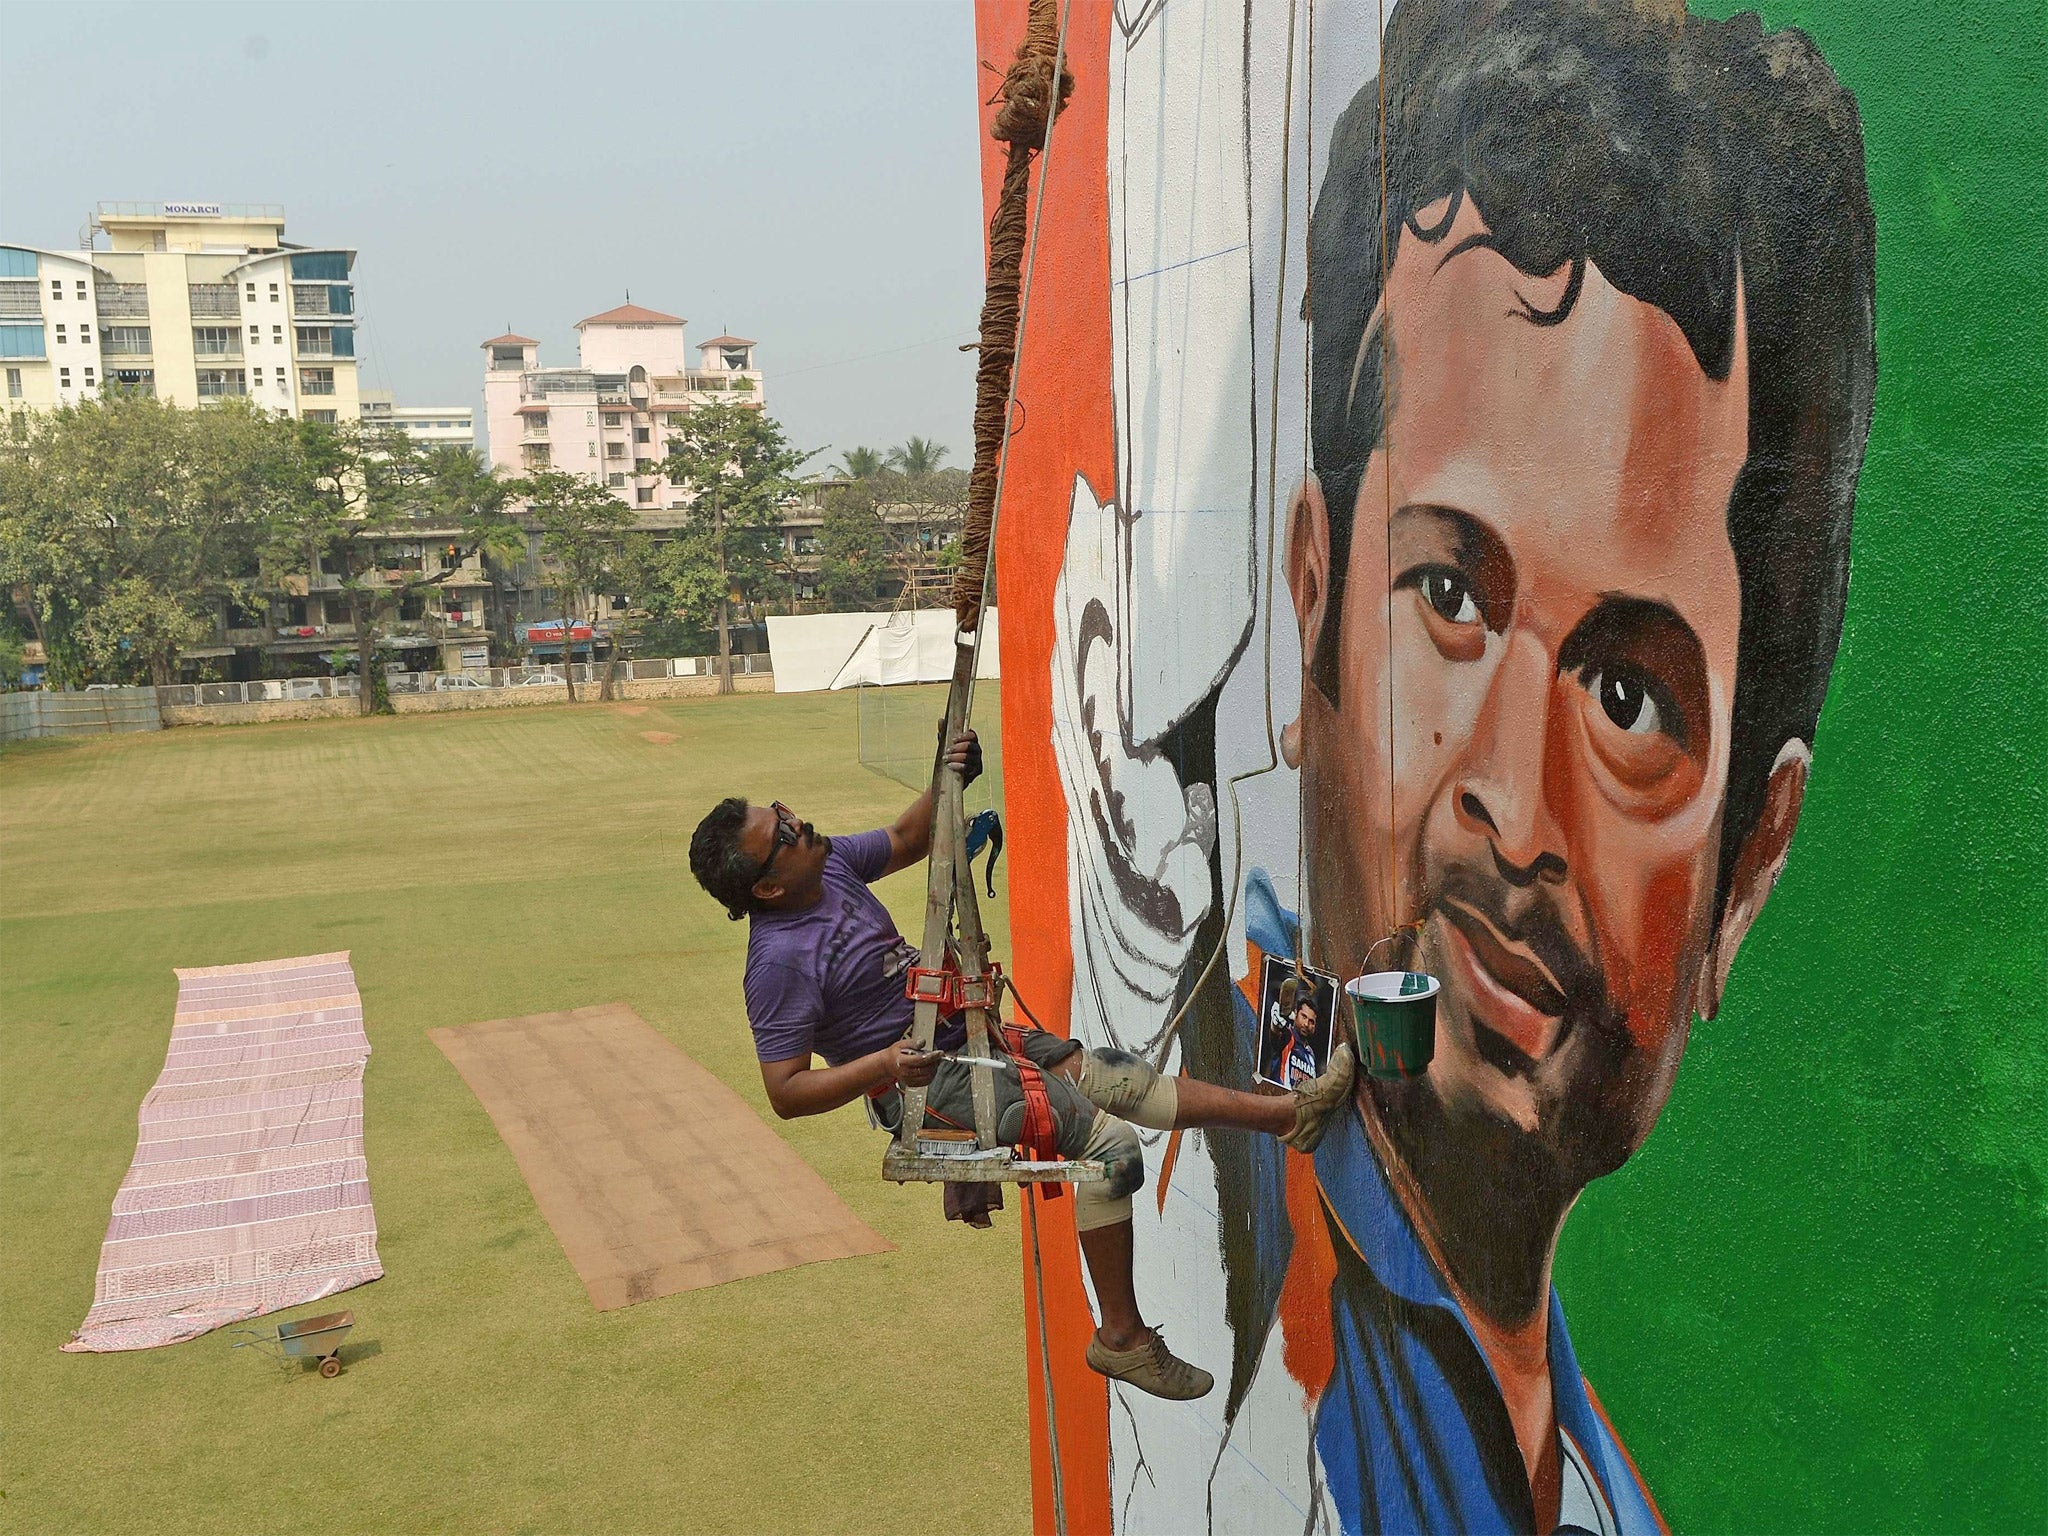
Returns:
(1041,1131)
(945,986)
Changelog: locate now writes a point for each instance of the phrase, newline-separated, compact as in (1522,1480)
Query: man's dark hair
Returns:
(1673,152)
(719,863)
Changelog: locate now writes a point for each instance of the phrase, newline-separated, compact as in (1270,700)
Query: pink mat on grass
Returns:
(249,1191)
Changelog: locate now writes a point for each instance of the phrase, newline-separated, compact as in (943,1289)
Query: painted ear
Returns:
(1308,585)
(1308,559)
(1757,868)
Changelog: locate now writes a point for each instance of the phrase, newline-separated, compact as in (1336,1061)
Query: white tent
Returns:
(818,651)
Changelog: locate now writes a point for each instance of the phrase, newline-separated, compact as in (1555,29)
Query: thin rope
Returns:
(1387,474)
(1052,1433)
(1273,412)
(1171,1031)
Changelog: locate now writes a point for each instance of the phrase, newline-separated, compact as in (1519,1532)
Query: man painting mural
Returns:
(825,978)
(1585,451)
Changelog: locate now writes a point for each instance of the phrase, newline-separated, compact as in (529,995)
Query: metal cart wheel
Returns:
(331,1367)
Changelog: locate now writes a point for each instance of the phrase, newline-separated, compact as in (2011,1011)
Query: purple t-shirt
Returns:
(829,979)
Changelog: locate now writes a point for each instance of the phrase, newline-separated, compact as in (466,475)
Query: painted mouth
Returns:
(1517,1005)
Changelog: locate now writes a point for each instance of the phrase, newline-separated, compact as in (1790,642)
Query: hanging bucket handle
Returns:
(1414,927)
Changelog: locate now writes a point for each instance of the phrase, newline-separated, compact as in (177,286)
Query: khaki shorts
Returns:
(1092,1116)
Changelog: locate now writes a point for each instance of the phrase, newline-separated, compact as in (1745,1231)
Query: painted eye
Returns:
(1626,701)
(1446,592)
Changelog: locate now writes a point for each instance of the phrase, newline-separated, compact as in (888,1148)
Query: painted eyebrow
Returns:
(1623,617)
(1471,534)
(1651,633)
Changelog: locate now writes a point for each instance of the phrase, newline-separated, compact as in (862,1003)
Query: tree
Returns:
(581,525)
(739,470)
(854,547)
(917,457)
(13,658)
(859,463)
(925,519)
(357,487)
(125,521)
(347,487)
(467,491)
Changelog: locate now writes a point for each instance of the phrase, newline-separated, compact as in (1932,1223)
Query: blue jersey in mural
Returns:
(1411,1429)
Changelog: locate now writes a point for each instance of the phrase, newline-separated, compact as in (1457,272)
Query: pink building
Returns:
(609,417)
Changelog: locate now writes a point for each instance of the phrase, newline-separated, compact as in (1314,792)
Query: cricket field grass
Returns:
(475,865)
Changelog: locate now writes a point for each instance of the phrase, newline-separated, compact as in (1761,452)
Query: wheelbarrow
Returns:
(310,1338)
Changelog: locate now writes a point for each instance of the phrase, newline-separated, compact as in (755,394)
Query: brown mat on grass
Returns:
(655,1176)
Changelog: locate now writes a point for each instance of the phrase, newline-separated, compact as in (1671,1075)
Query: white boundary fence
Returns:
(91,712)
(265,690)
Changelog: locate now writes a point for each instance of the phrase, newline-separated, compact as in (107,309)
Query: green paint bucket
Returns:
(1396,1016)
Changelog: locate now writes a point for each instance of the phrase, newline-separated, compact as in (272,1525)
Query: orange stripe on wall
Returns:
(1063,428)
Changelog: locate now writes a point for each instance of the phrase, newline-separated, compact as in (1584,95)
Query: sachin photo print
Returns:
(1296,1013)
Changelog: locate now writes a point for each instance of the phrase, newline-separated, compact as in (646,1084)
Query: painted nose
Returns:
(1501,793)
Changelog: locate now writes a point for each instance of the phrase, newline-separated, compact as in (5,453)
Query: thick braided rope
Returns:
(1028,104)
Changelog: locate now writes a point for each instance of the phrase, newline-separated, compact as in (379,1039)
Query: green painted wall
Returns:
(1835,1245)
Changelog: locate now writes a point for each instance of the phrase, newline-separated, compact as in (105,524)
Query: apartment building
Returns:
(431,426)
(190,302)
(609,417)
(439,620)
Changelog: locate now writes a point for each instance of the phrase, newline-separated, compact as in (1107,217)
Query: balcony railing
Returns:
(215,300)
(541,385)
(122,301)
(716,383)
(20,301)
(226,211)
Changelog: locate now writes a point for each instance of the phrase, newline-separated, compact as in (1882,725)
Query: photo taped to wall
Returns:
(1298,1012)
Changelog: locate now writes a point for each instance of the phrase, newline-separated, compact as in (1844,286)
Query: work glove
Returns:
(970,766)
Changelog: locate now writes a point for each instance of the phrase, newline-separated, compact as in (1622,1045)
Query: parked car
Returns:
(450,682)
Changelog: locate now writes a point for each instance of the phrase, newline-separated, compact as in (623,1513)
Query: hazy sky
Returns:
(804,174)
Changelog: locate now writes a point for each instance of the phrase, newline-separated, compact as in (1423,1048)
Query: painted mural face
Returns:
(1563,609)
(1464,545)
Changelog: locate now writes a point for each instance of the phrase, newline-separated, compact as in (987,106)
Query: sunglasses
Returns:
(788,833)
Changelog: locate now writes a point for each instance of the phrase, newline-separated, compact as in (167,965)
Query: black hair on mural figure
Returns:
(1674,153)
(719,863)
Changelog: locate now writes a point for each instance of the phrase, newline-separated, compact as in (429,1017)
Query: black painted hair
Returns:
(1673,152)
(719,863)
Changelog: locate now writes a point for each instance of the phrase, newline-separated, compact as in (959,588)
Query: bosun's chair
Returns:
(955,972)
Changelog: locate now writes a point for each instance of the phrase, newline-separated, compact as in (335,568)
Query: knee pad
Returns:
(1127,1086)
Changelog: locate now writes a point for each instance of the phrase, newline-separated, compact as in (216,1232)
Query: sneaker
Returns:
(1150,1367)
(1316,1100)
